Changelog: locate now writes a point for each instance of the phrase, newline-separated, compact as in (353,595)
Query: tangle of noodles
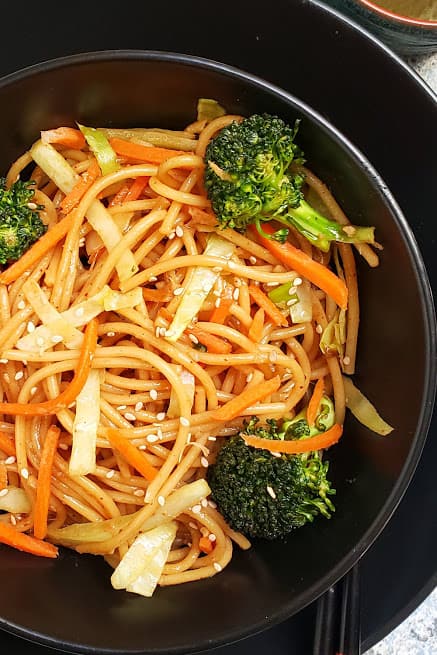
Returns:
(164,231)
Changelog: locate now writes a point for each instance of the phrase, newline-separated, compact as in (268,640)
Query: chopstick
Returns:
(338,621)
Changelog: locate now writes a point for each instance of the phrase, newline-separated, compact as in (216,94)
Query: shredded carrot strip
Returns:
(41,509)
(267,305)
(70,393)
(320,441)
(234,407)
(219,314)
(73,198)
(157,295)
(300,262)
(119,197)
(256,329)
(37,250)
(202,217)
(314,404)
(206,545)
(64,136)
(136,189)
(152,154)
(165,314)
(7,444)
(132,455)
(12,537)
(212,343)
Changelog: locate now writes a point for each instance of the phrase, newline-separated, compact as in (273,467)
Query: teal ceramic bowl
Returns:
(406,36)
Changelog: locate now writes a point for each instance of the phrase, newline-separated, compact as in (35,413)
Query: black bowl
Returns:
(69,603)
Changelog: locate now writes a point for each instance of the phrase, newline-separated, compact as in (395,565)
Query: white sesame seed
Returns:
(39,341)
(232,265)
(63,446)
(249,377)
(212,537)
(212,504)
(19,375)
(178,291)
(33,391)
(110,334)
(130,417)
(212,438)
(120,407)
(142,447)
(179,231)
(80,311)
(82,242)
(184,421)
(32,205)
(21,304)
(193,338)
(196,509)
(13,520)
(272,284)
(291,302)
(204,503)
(3,492)
(10,460)
(204,462)
(153,278)
(4,361)
(151,438)
(56,338)
(319,329)
(297,281)
(139,406)
(153,394)
(171,236)
(139,492)
(31,326)
(271,492)
(236,293)
(273,356)
(291,290)
(25,474)
(110,474)
(252,259)
(162,331)
(161,501)
(160,416)
(276,454)
(346,360)
(157,332)
(217,567)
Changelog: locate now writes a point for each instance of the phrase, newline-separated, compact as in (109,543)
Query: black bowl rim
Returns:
(429,317)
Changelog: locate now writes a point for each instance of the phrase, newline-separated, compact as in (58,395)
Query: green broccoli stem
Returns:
(320,231)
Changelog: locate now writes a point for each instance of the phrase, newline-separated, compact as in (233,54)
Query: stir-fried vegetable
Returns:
(363,410)
(100,146)
(85,424)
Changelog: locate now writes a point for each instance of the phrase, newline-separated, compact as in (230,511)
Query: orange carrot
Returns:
(267,305)
(212,343)
(237,405)
(256,329)
(136,189)
(157,295)
(206,545)
(3,475)
(165,315)
(202,217)
(313,405)
(152,154)
(300,262)
(38,250)
(132,455)
(64,136)
(119,197)
(73,198)
(70,393)
(12,537)
(320,441)
(40,513)
(7,444)
(220,313)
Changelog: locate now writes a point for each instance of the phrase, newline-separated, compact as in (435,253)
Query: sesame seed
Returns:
(33,391)
(204,503)
(178,291)
(110,474)
(212,504)
(40,341)
(130,417)
(276,454)
(25,474)
(193,338)
(4,361)
(142,447)
(192,525)
(271,492)
(184,421)
(204,462)
(10,460)
(139,406)
(157,332)
(212,438)
(319,329)
(21,304)
(236,293)
(120,407)
(179,231)
(153,278)
(63,446)
(272,284)
(212,537)
(56,338)
(139,492)
(273,356)
(196,509)
(151,438)
(160,416)
(80,311)
(291,302)
(249,377)
(162,331)
(252,259)
(3,492)
(161,501)
(153,394)
(217,567)
(291,290)
(31,326)
(297,281)
(82,242)
(32,205)
(110,334)
(19,375)
(346,360)
(232,265)
(13,520)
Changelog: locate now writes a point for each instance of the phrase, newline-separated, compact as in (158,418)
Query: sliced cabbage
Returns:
(363,410)
(102,149)
(333,336)
(208,109)
(113,300)
(200,286)
(15,501)
(188,385)
(55,166)
(141,567)
(302,310)
(85,424)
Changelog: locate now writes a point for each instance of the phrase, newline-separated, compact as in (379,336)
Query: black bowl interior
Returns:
(69,603)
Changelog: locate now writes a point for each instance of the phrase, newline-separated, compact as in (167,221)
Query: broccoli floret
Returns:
(265,496)
(20,222)
(248,180)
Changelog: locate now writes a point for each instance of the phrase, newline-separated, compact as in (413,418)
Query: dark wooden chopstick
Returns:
(338,621)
